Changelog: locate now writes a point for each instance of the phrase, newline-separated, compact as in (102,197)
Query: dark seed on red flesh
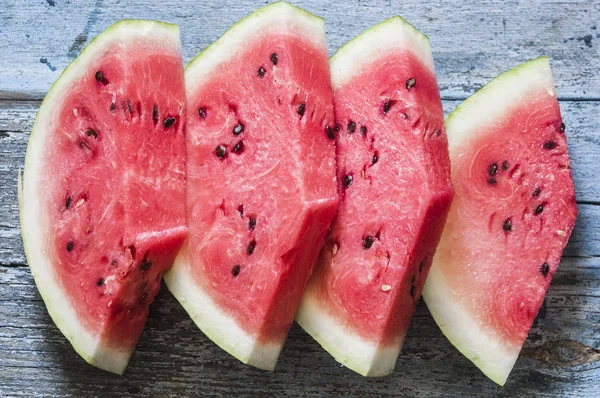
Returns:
(100,282)
(505,165)
(386,106)
(492,181)
(202,112)
(410,83)
(261,72)
(70,245)
(562,128)
(367,242)
(301,109)
(238,129)
(113,106)
(539,209)
(375,158)
(274,58)
(236,270)
(145,266)
(347,180)
(238,147)
(130,107)
(241,210)
(100,77)
(329,132)
(351,127)
(421,265)
(507,226)
(169,122)
(91,133)
(221,151)
(113,263)
(251,247)
(549,145)
(545,268)
(68,202)
(536,192)
(363,130)
(251,223)
(155,114)
(493,169)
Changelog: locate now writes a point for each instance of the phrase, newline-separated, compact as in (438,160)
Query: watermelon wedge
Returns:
(102,202)
(394,176)
(261,179)
(510,221)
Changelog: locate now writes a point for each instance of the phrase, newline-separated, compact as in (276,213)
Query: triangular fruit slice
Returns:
(102,202)
(510,221)
(261,179)
(394,176)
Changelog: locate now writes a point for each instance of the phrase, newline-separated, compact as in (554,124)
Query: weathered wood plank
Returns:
(173,357)
(472,42)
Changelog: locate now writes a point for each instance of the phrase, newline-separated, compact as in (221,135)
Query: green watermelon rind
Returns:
(367,358)
(31,213)
(493,356)
(218,326)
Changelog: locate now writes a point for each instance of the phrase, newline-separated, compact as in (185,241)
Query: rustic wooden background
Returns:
(472,42)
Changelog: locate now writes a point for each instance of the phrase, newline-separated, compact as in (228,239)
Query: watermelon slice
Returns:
(512,216)
(102,202)
(261,179)
(394,174)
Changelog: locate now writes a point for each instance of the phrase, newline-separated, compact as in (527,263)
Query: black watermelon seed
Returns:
(238,129)
(274,58)
(100,77)
(505,165)
(251,247)
(169,122)
(202,112)
(113,106)
(493,169)
(492,181)
(236,270)
(91,133)
(347,180)
(536,192)
(410,83)
(363,130)
(261,72)
(507,226)
(539,209)
(351,127)
(113,263)
(70,245)
(367,242)
(375,158)
(68,202)
(241,210)
(251,223)
(544,269)
(562,128)
(221,151)
(130,107)
(301,109)
(238,147)
(329,132)
(549,145)
(155,114)
(100,282)
(386,106)
(145,265)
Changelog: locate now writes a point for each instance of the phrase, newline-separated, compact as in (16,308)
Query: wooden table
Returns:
(472,43)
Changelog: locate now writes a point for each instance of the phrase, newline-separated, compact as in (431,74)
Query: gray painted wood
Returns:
(472,44)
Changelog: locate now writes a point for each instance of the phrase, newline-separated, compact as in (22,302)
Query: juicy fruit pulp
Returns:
(394,174)
(511,218)
(106,164)
(261,179)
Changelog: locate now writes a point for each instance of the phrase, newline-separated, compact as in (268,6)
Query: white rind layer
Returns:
(362,356)
(35,223)
(360,52)
(365,357)
(280,15)
(219,326)
(216,324)
(488,351)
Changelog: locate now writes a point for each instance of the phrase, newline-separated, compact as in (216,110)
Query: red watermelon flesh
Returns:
(394,176)
(107,163)
(510,221)
(261,179)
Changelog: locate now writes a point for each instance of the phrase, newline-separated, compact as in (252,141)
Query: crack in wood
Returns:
(564,353)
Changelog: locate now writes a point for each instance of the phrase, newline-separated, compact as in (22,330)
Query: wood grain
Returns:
(472,43)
